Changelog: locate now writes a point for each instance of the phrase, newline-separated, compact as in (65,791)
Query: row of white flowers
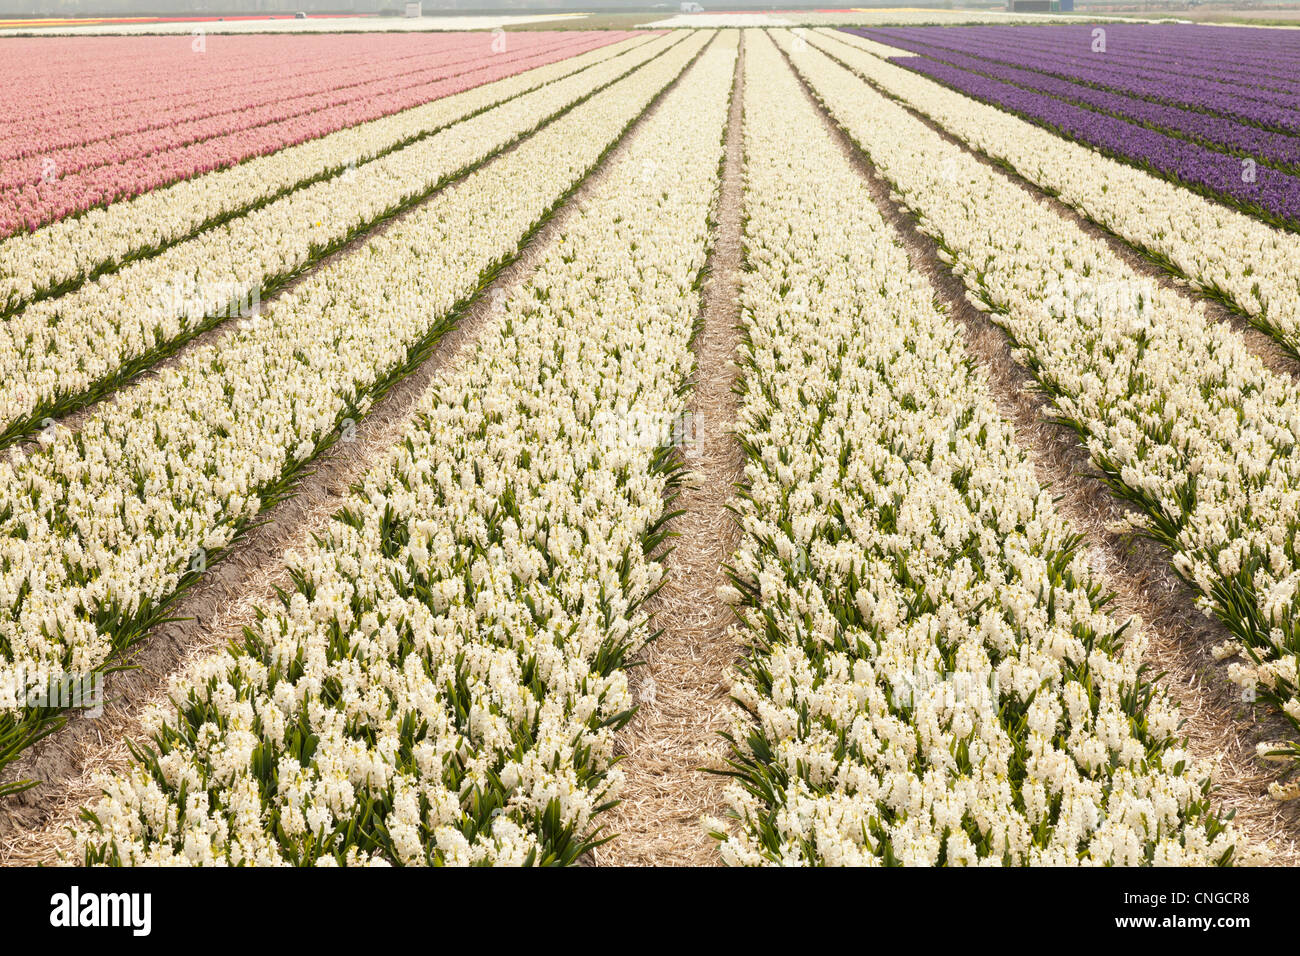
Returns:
(100,528)
(933,679)
(66,252)
(445,683)
(1184,421)
(1246,263)
(63,353)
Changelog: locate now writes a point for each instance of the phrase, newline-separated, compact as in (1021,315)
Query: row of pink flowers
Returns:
(167,131)
(75,73)
(193,88)
(121,166)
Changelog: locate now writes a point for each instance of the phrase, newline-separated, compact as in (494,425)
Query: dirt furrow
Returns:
(683,683)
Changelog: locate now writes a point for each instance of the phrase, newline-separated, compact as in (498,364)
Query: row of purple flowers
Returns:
(1246,83)
(1211,57)
(1232,56)
(1279,111)
(1267,192)
(1216,131)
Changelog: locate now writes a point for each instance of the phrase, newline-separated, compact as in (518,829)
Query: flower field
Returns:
(365,398)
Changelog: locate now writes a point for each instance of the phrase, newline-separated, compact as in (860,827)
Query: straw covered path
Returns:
(683,683)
